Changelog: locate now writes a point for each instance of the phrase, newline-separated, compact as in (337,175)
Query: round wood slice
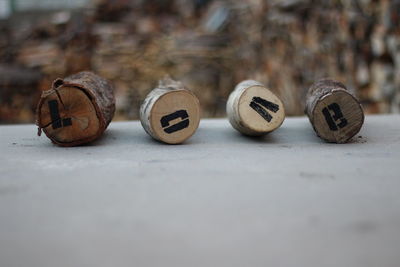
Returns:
(170,113)
(335,114)
(254,110)
(77,110)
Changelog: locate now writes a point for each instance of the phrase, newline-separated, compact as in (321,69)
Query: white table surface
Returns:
(221,199)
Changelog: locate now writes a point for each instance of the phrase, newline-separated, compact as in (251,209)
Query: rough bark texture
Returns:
(101,95)
(101,90)
(342,115)
(318,90)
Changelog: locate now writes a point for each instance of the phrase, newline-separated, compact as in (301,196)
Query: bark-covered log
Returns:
(77,110)
(253,109)
(335,114)
(170,113)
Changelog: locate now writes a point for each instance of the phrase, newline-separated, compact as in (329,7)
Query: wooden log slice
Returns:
(334,113)
(77,110)
(254,110)
(170,113)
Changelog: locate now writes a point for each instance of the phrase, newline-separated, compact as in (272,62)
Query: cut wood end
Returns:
(260,110)
(337,116)
(67,115)
(175,116)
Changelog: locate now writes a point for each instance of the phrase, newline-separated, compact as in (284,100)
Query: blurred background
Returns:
(210,45)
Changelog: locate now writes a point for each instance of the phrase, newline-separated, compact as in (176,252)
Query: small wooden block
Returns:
(254,110)
(335,114)
(170,113)
(76,110)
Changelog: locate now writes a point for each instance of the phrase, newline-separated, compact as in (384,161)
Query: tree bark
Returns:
(77,110)
(335,114)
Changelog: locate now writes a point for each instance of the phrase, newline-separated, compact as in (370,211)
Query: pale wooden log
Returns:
(254,110)
(77,110)
(170,113)
(334,113)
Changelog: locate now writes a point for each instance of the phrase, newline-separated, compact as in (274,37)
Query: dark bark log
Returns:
(77,110)
(335,114)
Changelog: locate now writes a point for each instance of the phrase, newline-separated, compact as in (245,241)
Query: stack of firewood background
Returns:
(209,45)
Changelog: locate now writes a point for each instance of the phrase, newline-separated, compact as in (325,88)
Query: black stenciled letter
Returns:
(258,103)
(182,114)
(56,121)
(337,116)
